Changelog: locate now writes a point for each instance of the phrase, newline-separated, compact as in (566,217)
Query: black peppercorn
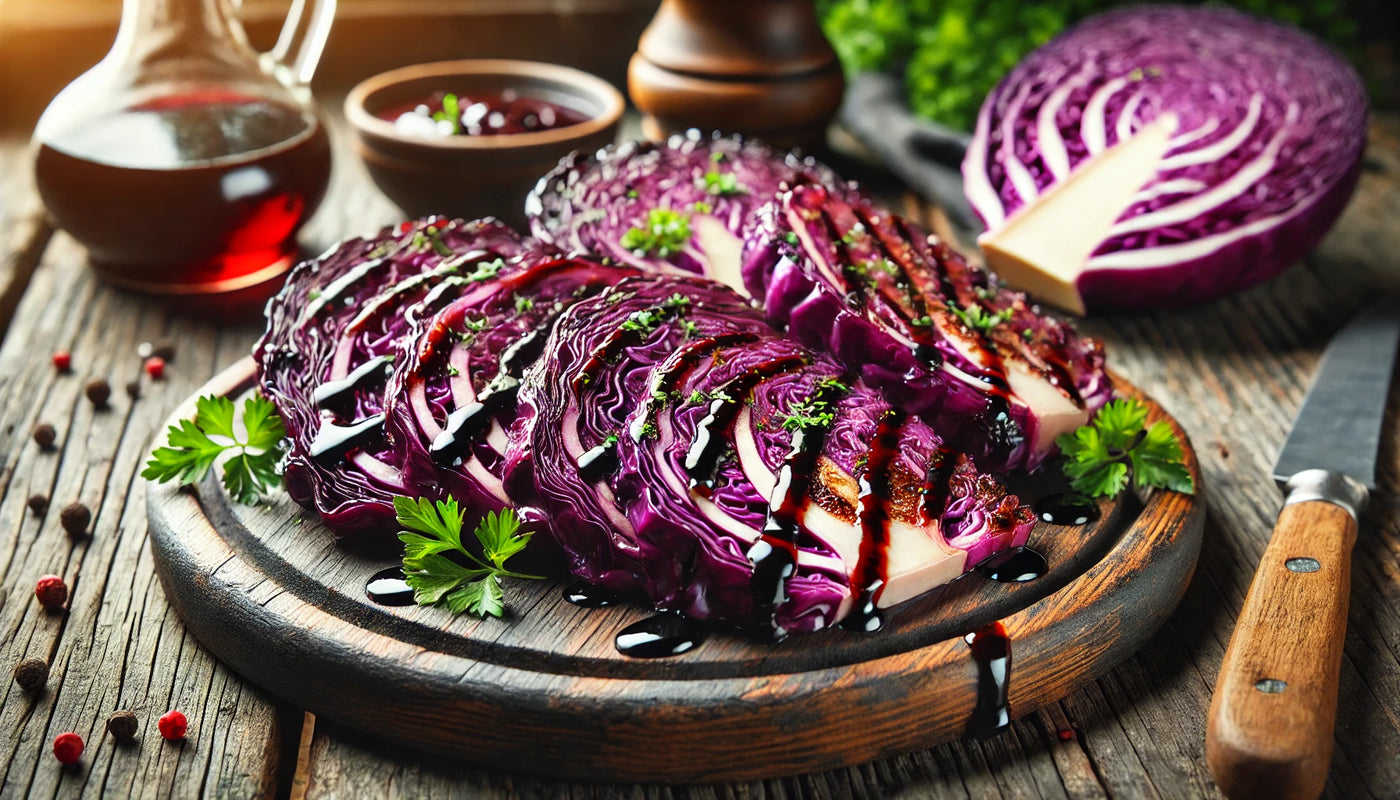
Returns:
(38,503)
(98,392)
(75,518)
(32,674)
(133,389)
(45,436)
(122,725)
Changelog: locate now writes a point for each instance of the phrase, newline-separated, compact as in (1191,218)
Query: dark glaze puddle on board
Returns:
(388,588)
(1017,565)
(659,636)
(1067,508)
(585,595)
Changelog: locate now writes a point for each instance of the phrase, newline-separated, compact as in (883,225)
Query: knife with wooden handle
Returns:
(1270,729)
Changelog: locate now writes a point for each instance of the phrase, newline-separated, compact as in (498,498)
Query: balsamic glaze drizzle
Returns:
(599,462)
(991,650)
(872,510)
(623,336)
(702,459)
(681,363)
(333,394)
(774,555)
(333,442)
(659,636)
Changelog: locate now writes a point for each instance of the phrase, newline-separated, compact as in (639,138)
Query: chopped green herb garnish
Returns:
(980,319)
(486,270)
(809,413)
(195,445)
(453,371)
(701,207)
(434,530)
(1115,449)
(665,232)
(523,303)
(723,184)
(451,112)
(696,398)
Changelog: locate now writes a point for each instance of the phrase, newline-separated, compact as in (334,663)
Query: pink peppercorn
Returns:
(173,725)
(51,591)
(62,361)
(68,747)
(155,367)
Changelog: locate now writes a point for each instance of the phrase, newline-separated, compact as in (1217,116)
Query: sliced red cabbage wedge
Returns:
(453,395)
(332,338)
(684,449)
(679,205)
(1157,156)
(994,376)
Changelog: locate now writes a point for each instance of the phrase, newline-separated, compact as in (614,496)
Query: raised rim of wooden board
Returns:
(656,730)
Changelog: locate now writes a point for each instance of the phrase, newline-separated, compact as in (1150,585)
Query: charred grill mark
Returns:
(915,306)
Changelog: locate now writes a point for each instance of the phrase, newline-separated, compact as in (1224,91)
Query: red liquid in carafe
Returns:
(198,193)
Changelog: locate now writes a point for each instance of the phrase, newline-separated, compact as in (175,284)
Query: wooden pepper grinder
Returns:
(757,67)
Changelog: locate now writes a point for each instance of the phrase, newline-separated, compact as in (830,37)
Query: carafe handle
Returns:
(313,36)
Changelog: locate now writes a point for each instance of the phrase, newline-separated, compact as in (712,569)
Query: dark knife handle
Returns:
(1270,729)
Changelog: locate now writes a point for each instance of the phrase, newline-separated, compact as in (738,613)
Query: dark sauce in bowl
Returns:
(485,114)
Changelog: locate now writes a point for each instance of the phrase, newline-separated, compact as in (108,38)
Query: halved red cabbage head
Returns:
(1161,155)
(674,205)
(994,376)
(683,449)
(332,339)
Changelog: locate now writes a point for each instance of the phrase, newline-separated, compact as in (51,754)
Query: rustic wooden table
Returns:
(1233,372)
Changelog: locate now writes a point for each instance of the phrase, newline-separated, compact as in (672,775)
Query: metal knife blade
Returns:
(1338,429)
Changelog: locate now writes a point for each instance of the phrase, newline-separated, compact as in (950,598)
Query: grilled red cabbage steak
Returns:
(682,448)
(452,396)
(332,337)
(993,375)
(679,205)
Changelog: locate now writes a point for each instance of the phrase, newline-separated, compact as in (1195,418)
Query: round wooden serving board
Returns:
(545,690)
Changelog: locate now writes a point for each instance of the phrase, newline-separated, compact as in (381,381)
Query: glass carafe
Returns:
(186,161)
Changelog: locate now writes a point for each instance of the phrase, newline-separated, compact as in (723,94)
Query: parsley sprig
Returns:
(665,232)
(434,529)
(196,445)
(1116,449)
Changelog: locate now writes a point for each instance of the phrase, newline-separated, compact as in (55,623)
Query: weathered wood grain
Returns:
(118,645)
(1232,372)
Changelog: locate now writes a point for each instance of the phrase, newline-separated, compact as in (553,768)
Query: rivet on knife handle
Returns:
(1270,729)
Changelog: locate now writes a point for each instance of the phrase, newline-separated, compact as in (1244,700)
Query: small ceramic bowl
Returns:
(474,176)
